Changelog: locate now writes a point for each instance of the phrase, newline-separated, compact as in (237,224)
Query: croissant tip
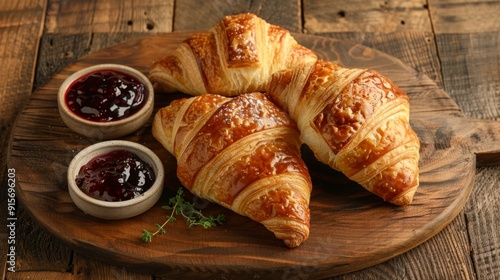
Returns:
(293,243)
(294,240)
(292,232)
(404,199)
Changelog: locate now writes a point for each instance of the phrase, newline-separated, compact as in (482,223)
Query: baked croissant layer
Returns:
(236,56)
(356,121)
(242,153)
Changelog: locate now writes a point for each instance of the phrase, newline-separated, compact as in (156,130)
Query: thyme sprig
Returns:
(179,206)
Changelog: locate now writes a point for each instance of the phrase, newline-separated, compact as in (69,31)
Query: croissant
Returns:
(242,153)
(357,122)
(236,56)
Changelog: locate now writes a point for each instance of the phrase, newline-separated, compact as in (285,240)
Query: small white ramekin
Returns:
(111,129)
(110,210)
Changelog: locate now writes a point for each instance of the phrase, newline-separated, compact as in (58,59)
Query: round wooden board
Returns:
(350,228)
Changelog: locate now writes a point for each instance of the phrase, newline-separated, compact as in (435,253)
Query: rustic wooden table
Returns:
(455,43)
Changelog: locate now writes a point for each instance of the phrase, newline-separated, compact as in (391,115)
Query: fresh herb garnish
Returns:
(179,206)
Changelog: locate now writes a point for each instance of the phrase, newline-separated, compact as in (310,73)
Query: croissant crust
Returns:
(244,154)
(236,56)
(356,121)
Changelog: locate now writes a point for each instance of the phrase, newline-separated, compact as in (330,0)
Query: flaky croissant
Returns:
(237,55)
(357,122)
(242,153)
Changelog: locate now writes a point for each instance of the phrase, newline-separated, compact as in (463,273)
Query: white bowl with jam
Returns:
(106,101)
(115,179)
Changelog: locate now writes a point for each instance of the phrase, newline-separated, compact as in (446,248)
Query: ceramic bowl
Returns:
(104,130)
(115,210)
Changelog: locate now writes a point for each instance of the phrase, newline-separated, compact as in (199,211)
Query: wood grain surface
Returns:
(350,229)
(453,42)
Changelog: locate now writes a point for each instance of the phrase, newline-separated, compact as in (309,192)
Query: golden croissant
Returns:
(236,56)
(357,122)
(242,153)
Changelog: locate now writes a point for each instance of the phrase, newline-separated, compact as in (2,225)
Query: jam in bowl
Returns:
(117,175)
(106,101)
(115,179)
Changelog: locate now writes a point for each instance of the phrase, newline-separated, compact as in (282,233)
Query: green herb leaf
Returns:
(179,206)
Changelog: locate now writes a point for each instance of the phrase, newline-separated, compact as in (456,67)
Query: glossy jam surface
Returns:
(118,175)
(106,95)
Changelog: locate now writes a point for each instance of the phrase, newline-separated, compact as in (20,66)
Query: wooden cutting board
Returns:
(350,228)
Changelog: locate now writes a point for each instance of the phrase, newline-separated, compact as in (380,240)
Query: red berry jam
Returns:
(115,176)
(106,95)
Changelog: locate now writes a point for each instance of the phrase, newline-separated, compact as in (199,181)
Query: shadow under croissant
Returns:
(334,185)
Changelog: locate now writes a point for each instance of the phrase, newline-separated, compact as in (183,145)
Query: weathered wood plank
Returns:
(464,17)
(467,38)
(86,268)
(366,16)
(22,275)
(422,263)
(36,247)
(20,29)
(59,50)
(4,231)
(445,256)
(83,16)
(415,48)
(483,222)
(77,28)
(283,13)
(471,74)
